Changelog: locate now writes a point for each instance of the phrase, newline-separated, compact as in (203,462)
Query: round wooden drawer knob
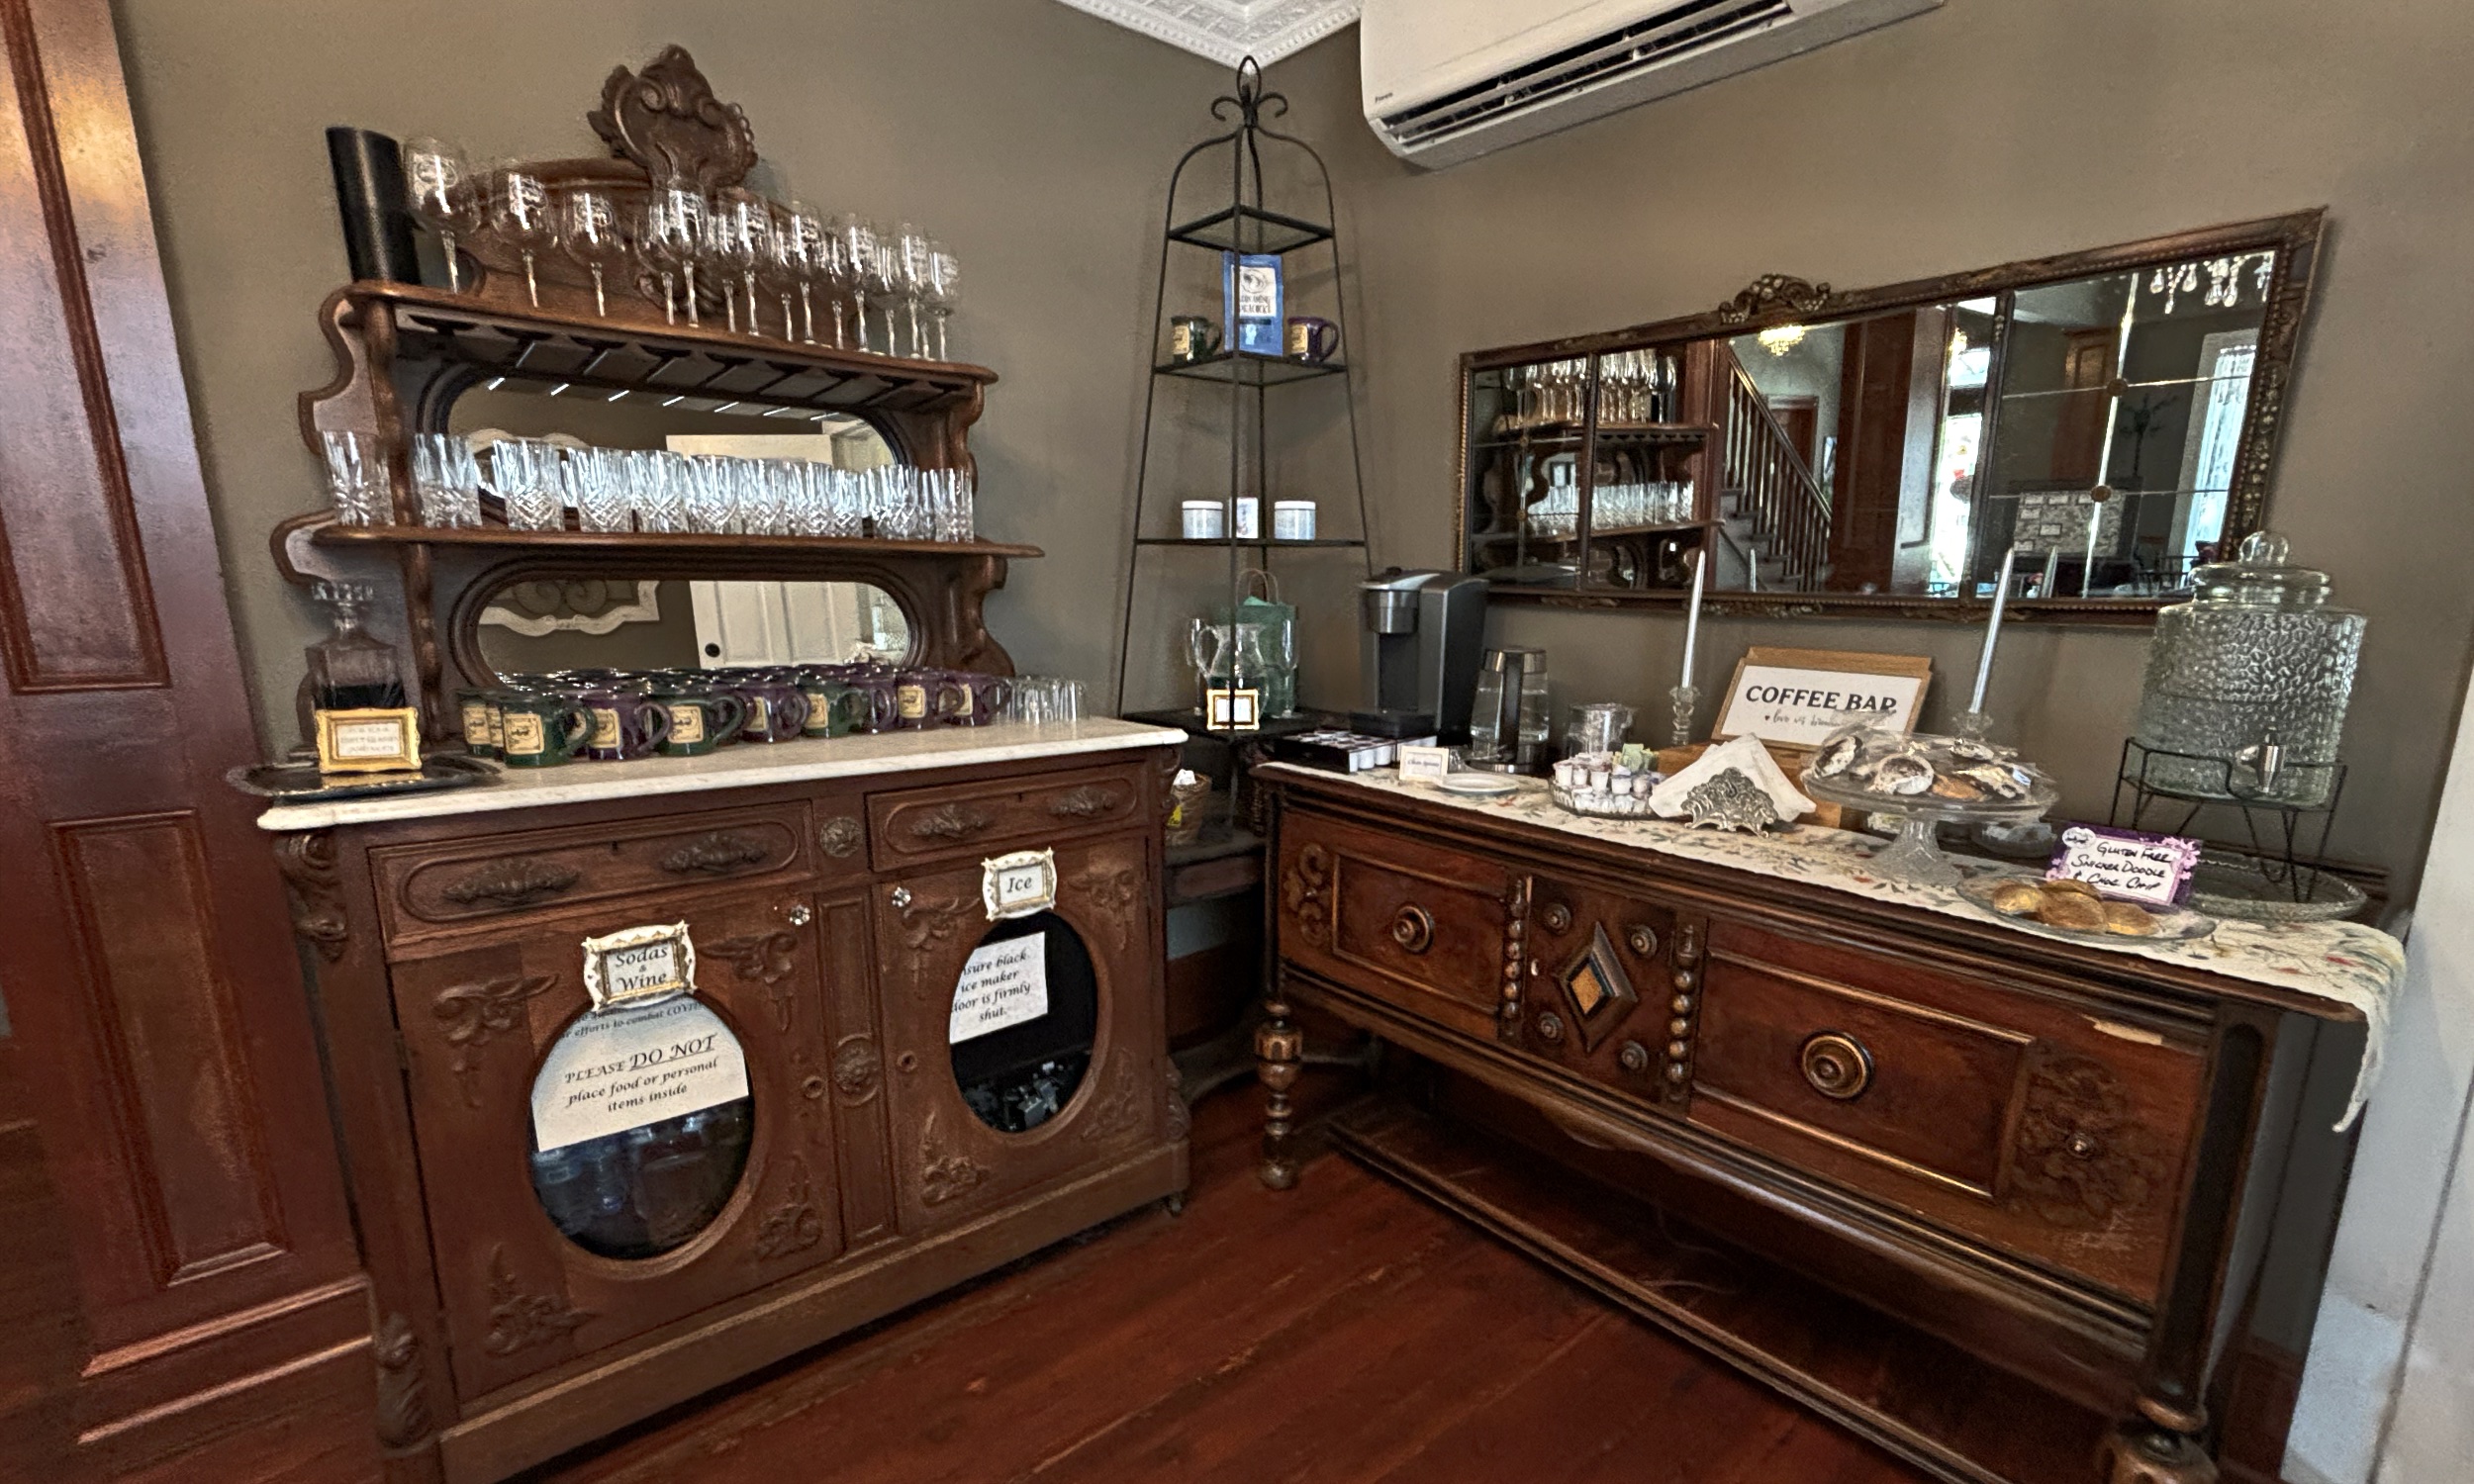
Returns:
(1634,1055)
(1837,1066)
(1414,928)
(1551,1027)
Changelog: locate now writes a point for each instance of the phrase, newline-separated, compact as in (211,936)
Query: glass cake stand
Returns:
(1916,854)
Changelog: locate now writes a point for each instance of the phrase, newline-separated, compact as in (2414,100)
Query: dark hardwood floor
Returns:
(1344,1331)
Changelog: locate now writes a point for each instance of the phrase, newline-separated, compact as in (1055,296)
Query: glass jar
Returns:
(2247,683)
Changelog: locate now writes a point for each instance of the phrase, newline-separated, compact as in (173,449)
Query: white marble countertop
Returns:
(746,765)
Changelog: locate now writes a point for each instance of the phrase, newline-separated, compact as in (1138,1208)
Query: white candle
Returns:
(1993,631)
(1692,617)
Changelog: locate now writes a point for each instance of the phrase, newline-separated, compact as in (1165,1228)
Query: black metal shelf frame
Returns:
(1244,225)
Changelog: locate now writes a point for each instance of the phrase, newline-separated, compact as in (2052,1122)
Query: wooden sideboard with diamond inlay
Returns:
(2017,1210)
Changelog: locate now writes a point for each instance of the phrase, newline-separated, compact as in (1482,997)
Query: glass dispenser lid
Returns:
(2261,577)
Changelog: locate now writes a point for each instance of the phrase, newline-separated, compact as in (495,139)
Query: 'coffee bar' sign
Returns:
(1798,697)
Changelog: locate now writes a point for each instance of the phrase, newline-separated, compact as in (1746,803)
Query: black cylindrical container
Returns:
(369,194)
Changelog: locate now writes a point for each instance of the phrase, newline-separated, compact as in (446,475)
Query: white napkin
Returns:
(1745,754)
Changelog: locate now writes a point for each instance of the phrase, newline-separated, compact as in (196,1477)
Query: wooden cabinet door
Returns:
(948,1165)
(160,1043)
(520,1295)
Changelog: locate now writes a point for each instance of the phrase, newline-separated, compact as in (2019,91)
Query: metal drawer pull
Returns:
(1836,1064)
(1414,928)
(950,822)
(715,854)
(512,884)
(1086,802)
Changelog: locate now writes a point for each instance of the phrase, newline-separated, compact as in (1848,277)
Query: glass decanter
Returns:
(351,670)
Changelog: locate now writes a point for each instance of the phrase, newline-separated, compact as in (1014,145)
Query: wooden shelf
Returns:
(1916,1395)
(654,544)
(700,368)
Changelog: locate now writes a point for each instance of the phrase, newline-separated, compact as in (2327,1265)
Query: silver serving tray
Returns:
(302,783)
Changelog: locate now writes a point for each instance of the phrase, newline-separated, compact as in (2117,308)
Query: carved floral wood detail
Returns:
(513,882)
(926,927)
(477,1014)
(717,854)
(951,821)
(1114,891)
(841,837)
(1774,290)
(1088,801)
(403,1418)
(2080,1156)
(1181,1117)
(857,1065)
(312,878)
(769,960)
(794,1224)
(521,1318)
(1301,888)
(667,120)
(945,1174)
(1119,1111)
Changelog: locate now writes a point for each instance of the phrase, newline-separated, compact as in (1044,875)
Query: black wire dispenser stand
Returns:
(1244,225)
(2276,829)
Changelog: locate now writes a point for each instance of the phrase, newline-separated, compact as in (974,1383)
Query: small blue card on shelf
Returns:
(2128,864)
(1251,295)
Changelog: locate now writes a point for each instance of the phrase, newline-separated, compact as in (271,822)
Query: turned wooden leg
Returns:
(1279,1052)
(2141,1450)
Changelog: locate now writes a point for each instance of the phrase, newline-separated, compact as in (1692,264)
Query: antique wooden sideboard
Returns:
(2002,1203)
(832,892)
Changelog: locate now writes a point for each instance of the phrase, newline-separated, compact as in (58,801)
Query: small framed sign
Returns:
(1798,697)
(1237,710)
(377,740)
(1018,885)
(639,965)
(2128,864)
(1424,765)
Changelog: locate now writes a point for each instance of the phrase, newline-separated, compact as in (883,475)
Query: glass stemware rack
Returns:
(556,323)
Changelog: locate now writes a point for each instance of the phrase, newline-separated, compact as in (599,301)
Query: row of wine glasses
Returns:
(539,482)
(767,264)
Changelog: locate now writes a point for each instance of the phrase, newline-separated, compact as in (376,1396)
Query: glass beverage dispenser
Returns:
(2247,683)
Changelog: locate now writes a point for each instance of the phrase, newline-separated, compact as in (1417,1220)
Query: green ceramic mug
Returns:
(702,718)
(541,730)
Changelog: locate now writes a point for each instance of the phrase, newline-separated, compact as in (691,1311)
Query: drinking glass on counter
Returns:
(1045,701)
(446,481)
(596,487)
(357,478)
(656,484)
(439,189)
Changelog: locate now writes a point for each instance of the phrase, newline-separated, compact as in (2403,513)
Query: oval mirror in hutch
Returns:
(618,351)
(2111,414)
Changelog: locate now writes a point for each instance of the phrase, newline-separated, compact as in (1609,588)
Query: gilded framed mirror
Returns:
(2110,416)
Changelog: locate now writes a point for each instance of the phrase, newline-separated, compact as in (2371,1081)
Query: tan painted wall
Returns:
(1033,138)
(1987,130)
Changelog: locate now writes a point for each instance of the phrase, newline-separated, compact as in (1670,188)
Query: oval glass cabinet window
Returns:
(1024,1017)
(640,1125)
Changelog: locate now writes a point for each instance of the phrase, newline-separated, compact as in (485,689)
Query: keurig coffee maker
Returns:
(1420,652)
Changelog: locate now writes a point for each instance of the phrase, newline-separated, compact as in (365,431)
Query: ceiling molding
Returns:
(1228,31)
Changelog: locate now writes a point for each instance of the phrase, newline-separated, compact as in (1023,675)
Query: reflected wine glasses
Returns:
(520,212)
(589,230)
(439,189)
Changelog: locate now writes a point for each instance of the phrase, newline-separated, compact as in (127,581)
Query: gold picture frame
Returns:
(372,740)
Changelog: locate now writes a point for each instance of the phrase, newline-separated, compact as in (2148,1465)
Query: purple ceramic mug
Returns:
(923,698)
(974,700)
(625,724)
(777,710)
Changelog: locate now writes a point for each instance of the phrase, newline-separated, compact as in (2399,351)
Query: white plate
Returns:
(1477,784)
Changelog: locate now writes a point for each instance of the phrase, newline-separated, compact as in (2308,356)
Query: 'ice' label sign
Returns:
(1002,984)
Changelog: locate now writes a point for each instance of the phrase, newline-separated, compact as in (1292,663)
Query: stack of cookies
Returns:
(2075,905)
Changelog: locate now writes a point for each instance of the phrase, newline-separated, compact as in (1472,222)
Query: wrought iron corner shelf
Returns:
(1247,228)
(1249,370)
(1214,543)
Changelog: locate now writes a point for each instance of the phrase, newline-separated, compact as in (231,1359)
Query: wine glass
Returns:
(589,230)
(1206,644)
(857,239)
(674,239)
(439,188)
(805,252)
(741,233)
(883,282)
(938,288)
(785,265)
(910,248)
(519,210)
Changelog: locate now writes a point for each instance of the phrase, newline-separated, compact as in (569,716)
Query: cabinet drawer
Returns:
(429,887)
(1419,926)
(920,824)
(2047,1133)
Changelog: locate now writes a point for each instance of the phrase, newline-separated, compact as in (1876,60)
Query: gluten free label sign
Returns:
(620,1070)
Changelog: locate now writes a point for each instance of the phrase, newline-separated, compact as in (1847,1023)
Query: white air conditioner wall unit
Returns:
(1447,80)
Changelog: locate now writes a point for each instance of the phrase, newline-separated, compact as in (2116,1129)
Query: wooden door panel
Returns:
(156,1002)
(519,1296)
(948,1165)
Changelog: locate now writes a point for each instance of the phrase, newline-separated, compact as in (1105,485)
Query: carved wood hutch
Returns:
(823,900)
